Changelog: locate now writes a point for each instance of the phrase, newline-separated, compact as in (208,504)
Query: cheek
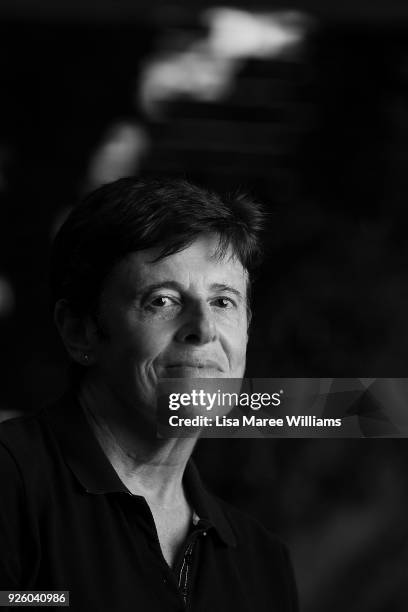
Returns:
(235,341)
(143,341)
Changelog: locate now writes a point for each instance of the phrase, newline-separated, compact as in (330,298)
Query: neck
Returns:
(147,465)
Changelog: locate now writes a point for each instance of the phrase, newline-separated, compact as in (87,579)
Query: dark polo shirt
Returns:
(67,522)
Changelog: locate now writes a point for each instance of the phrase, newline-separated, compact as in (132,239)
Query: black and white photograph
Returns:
(203,306)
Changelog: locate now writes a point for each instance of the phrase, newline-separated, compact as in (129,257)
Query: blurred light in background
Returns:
(193,73)
(120,154)
(206,68)
(237,34)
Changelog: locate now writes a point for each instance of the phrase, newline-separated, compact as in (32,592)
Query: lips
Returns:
(201,365)
(192,367)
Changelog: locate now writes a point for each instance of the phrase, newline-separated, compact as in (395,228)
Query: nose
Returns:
(198,327)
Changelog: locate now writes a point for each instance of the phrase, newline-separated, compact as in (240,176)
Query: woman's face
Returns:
(182,316)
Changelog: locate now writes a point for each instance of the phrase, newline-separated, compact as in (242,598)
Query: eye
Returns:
(223,302)
(163,301)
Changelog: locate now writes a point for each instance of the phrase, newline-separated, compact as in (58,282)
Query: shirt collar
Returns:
(95,473)
(206,505)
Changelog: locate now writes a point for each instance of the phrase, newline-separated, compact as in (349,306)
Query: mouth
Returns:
(193,368)
(195,363)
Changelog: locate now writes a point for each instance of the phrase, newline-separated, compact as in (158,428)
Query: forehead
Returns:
(198,265)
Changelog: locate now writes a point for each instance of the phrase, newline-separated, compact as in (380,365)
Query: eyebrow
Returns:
(222,287)
(178,287)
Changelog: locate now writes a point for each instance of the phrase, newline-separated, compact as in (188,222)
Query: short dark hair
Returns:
(132,215)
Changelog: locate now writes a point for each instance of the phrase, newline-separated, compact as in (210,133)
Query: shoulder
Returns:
(20,437)
(11,483)
(25,446)
(13,430)
(21,486)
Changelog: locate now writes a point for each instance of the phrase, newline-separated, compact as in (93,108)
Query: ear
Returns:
(76,332)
